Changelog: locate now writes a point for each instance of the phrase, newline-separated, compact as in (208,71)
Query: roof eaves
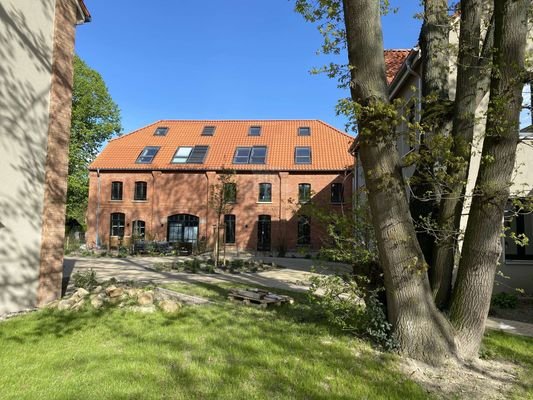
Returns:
(85,15)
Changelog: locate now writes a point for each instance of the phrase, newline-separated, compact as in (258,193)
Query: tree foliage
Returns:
(95,119)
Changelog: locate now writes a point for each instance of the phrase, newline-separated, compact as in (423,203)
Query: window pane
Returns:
(138,229)
(229,222)
(304,230)
(304,192)
(302,155)
(255,131)
(140,191)
(181,155)
(258,155)
(117,224)
(304,131)
(208,131)
(161,131)
(242,154)
(116,191)
(197,155)
(337,193)
(147,155)
(265,192)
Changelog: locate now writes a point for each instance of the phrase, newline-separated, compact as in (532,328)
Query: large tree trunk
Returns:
(482,242)
(420,329)
(434,40)
(462,134)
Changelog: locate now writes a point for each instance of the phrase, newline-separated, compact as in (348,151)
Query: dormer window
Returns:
(147,155)
(161,131)
(304,131)
(254,131)
(208,131)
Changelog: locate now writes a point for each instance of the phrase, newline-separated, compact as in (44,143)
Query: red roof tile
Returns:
(329,146)
(394,60)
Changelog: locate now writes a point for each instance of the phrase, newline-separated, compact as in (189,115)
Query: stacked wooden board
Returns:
(258,297)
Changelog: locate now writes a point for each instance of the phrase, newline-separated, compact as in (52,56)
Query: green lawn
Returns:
(219,351)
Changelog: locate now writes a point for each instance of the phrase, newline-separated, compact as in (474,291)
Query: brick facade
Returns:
(187,192)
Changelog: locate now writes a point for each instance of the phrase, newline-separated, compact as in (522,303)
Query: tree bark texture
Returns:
(482,242)
(434,46)
(462,134)
(420,329)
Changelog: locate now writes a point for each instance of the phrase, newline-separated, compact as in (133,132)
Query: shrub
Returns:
(348,304)
(195,265)
(236,265)
(505,300)
(86,280)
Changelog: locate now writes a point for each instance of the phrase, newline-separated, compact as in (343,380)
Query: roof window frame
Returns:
(144,152)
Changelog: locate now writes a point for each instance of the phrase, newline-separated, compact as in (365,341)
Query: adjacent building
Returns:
(37,47)
(516,265)
(156,183)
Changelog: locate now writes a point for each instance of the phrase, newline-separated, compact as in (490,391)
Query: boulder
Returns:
(97,302)
(78,305)
(145,298)
(132,292)
(98,289)
(113,291)
(81,293)
(65,304)
(169,306)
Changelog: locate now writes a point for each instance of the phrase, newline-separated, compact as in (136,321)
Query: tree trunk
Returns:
(420,329)
(434,41)
(462,134)
(482,242)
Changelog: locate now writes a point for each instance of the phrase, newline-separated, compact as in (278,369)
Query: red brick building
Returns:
(155,182)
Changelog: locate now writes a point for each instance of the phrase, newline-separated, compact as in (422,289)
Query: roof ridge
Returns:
(336,129)
(135,131)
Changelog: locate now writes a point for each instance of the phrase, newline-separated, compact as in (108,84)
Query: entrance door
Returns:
(263,233)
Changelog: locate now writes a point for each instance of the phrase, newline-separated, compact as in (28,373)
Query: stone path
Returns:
(294,276)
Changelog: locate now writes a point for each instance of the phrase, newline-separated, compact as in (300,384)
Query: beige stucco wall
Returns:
(26,43)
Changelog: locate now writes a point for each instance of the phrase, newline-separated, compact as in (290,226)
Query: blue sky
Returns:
(231,59)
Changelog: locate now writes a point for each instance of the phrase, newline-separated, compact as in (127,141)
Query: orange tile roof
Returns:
(394,60)
(329,146)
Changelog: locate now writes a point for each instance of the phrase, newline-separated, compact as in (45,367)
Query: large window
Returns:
(302,155)
(304,192)
(190,155)
(140,191)
(229,224)
(265,193)
(138,229)
(116,190)
(147,155)
(304,230)
(250,155)
(230,192)
(183,228)
(519,224)
(337,193)
(117,224)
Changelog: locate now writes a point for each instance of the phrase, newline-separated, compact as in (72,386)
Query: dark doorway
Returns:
(263,233)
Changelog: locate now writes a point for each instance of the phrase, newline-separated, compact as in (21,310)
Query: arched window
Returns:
(138,229)
(117,224)
(183,228)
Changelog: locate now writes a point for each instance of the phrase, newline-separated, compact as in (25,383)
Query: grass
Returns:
(516,349)
(218,351)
